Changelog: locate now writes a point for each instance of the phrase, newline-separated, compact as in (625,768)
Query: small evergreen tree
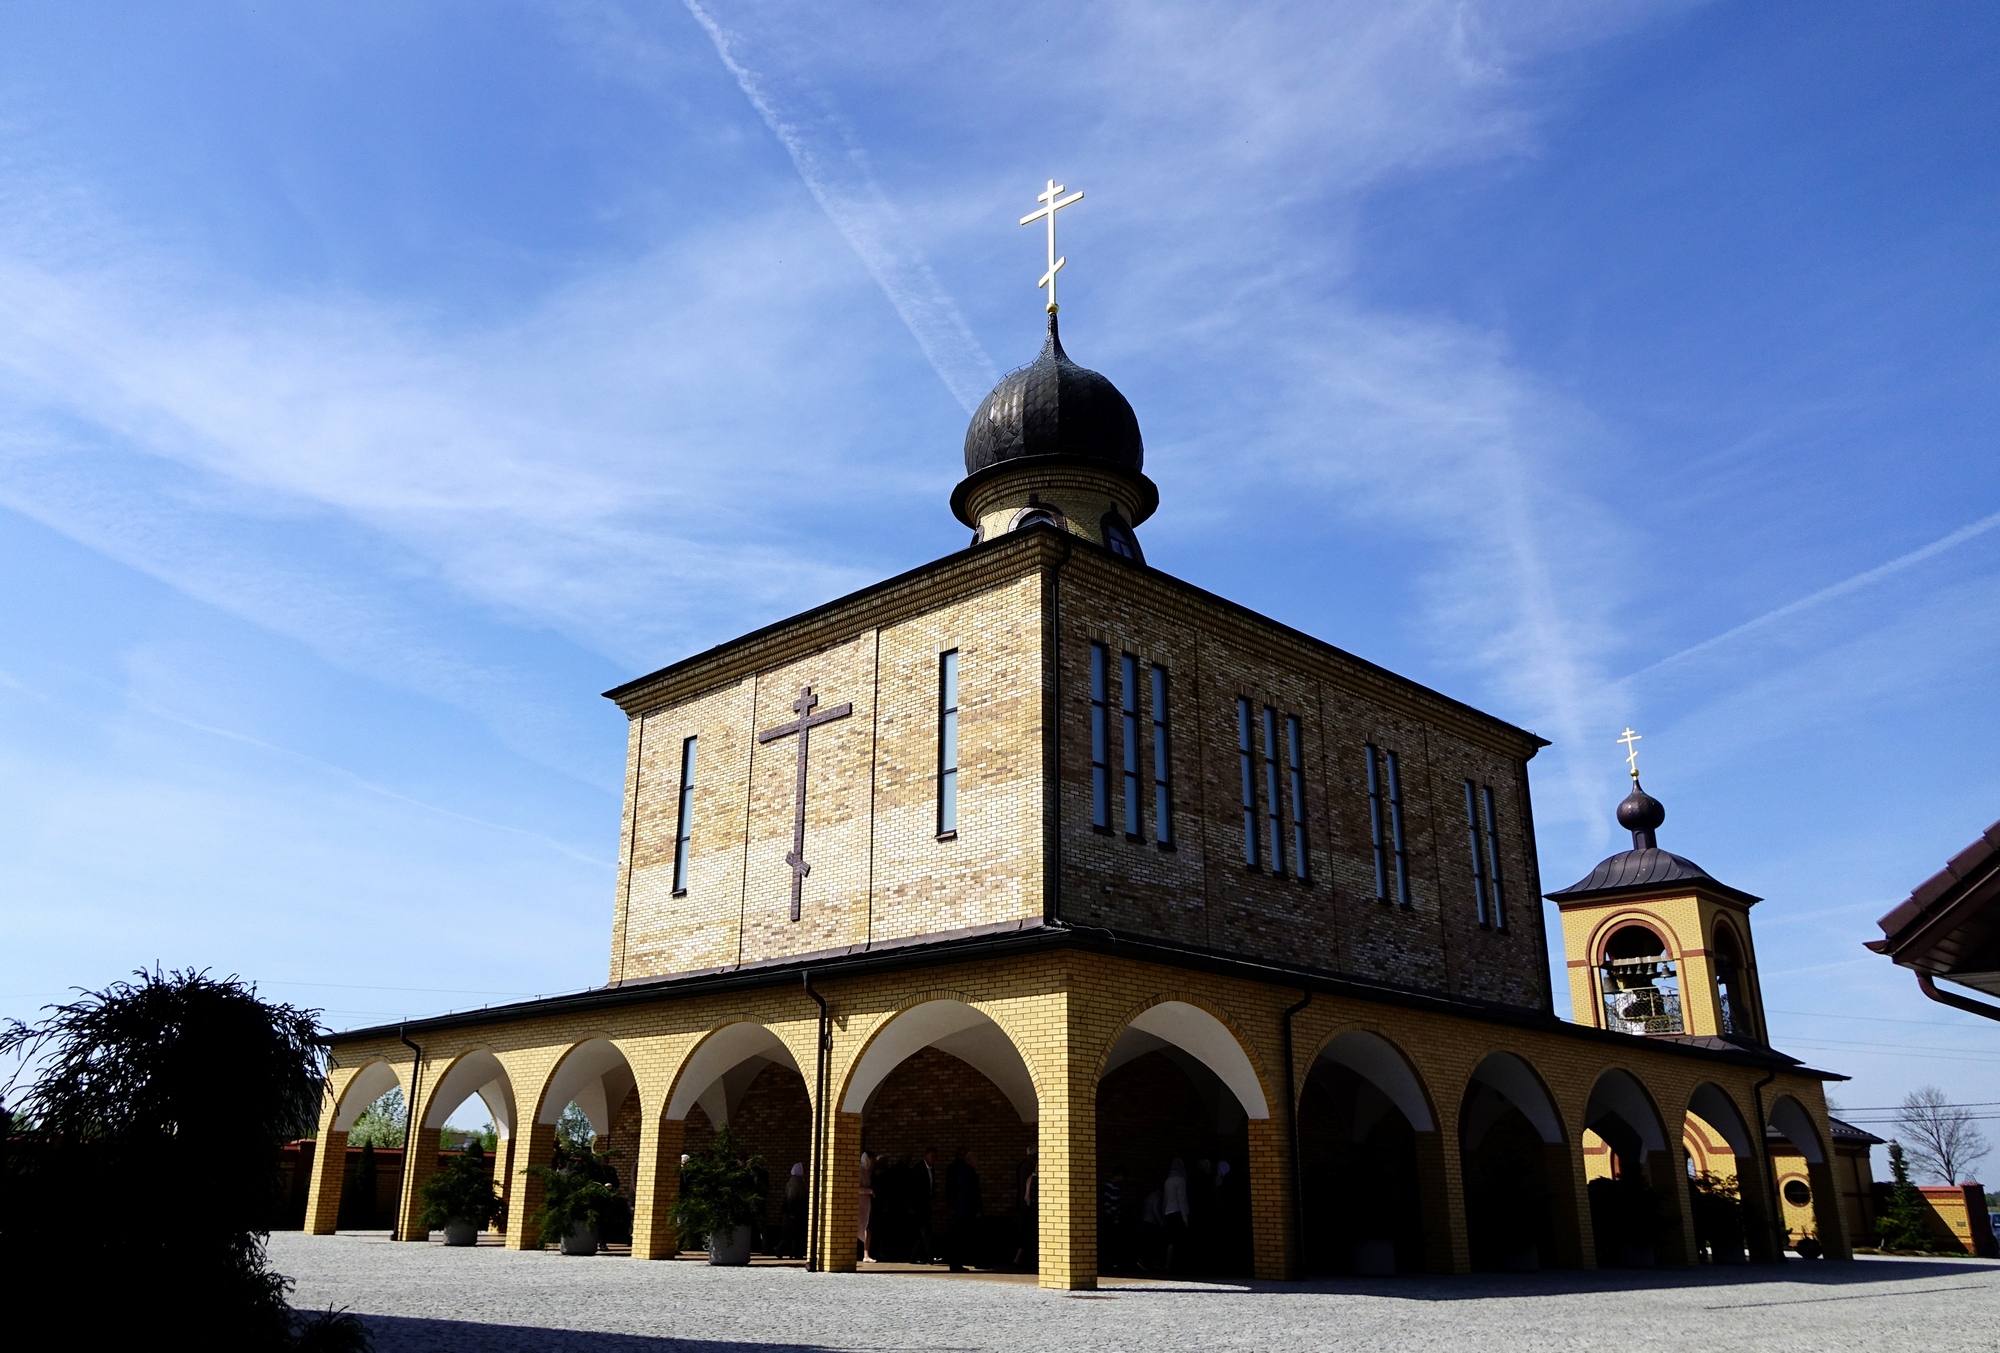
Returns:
(1903,1225)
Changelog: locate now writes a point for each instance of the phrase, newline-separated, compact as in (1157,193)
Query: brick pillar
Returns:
(503,1172)
(420,1162)
(1830,1226)
(1569,1207)
(1066,1162)
(657,1188)
(840,1205)
(1441,1199)
(534,1148)
(329,1173)
(1274,1243)
(1753,1188)
(1667,1174)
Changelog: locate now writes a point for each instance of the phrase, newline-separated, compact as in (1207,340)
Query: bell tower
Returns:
(1655,945)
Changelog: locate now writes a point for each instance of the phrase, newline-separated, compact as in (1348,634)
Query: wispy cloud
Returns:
(834,166)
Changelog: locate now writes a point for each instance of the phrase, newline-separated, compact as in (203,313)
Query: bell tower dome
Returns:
(1656,946)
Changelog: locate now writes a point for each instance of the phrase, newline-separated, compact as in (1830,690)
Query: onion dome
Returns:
(1645,867)
(1053,407)
(1055,414)
(1641,814)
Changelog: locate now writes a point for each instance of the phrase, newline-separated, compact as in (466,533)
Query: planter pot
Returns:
(582,1240)
(1375,1258)
(460,1233)
(734,1250)
(1727,1254)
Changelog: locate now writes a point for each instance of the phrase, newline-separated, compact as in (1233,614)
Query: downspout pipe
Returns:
(1763,1145)
(816,1165)
(1929,987)
(409,1126)
(1292,1129)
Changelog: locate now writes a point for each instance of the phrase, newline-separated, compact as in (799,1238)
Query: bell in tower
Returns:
(1656,946)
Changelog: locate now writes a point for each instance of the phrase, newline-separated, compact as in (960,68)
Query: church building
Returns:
(1039,851)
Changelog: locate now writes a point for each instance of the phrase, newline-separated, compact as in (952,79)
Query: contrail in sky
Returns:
(839,178)
(1826,594)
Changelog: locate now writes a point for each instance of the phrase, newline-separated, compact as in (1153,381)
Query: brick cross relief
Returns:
(803,726)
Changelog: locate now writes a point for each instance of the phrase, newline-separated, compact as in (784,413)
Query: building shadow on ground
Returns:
(1732,1285)
(409,1334)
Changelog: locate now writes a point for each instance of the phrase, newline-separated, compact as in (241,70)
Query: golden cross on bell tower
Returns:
(1631,741)
(1054,202)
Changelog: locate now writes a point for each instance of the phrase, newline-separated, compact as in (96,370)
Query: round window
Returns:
(1796,1192)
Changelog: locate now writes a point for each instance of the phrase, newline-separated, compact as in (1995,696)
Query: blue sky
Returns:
(379,383)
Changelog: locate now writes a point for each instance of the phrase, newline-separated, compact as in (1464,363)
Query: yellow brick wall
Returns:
(878,870)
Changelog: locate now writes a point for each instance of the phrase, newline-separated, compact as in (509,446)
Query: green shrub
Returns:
(462,1191)
(719,1191)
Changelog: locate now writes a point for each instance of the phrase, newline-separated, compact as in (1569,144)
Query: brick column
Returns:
(1666,1172)
(329,1174)
(1274,1243)
(1828,1224)
(420,1162)
(503,1172)
(1066,1162)
(1441,1199)
(1569,1207)
(840,1205)
(657,1188)
(1753,1189)
(534,1147)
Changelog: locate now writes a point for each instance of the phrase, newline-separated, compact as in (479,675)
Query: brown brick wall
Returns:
(773,1121)
(936,1100)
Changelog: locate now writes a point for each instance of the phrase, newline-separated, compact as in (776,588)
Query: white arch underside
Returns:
(1205,1038)
(952,1027)
(1618,1095)
(370,1084)
(1374,1059)
(1217,1098)
(1790,1117)
(721,1069)
(596,1078)
(1710,1104)
(475,1074)
(1509,1083)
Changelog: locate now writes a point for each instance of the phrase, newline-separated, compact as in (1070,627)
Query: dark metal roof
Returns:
(1053,407)
(785,972)
(1645,869)
(1842,1132)
(1949,925)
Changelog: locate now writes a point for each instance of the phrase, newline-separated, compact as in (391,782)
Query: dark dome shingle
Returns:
(1053,407)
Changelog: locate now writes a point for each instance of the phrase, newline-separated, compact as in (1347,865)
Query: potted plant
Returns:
(720,1200)
(578,1204)
(460,1199)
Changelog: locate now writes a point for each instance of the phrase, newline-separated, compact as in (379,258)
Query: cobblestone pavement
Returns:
(428,1297)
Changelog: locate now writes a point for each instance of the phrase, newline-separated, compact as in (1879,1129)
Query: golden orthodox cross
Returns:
(1631,741)
(1054,202)
(803,726)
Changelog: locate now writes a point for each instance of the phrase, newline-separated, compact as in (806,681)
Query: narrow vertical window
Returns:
(1243,756)
(1100,765)
(1128,700)
(1499,901)
(1163,785)
(1296,767)
(1274,802)
(948,743)
(1472,836)
(1377,830)
(1396,836)
(684,827)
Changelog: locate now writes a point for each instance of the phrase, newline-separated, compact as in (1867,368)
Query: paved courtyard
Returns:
(428,1297)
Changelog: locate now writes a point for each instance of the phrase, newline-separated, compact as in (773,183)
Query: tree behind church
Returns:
(141,1174)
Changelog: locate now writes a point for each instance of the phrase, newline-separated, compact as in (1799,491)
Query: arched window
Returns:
(1118,538)
(1642,992)
(1731,992)
(1037,514)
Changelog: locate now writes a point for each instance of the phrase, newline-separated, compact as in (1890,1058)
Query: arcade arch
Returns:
(1177,1085)
(941,1075)
(595,1076)
(1366,1131)
(1817,1215)
(477,1074)
(1520,1192)
(329,1195)
(1636,1202)
(745,1077)
(1731,1214)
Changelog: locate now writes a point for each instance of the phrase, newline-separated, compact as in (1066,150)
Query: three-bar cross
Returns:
(803,726)
(1055,202)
